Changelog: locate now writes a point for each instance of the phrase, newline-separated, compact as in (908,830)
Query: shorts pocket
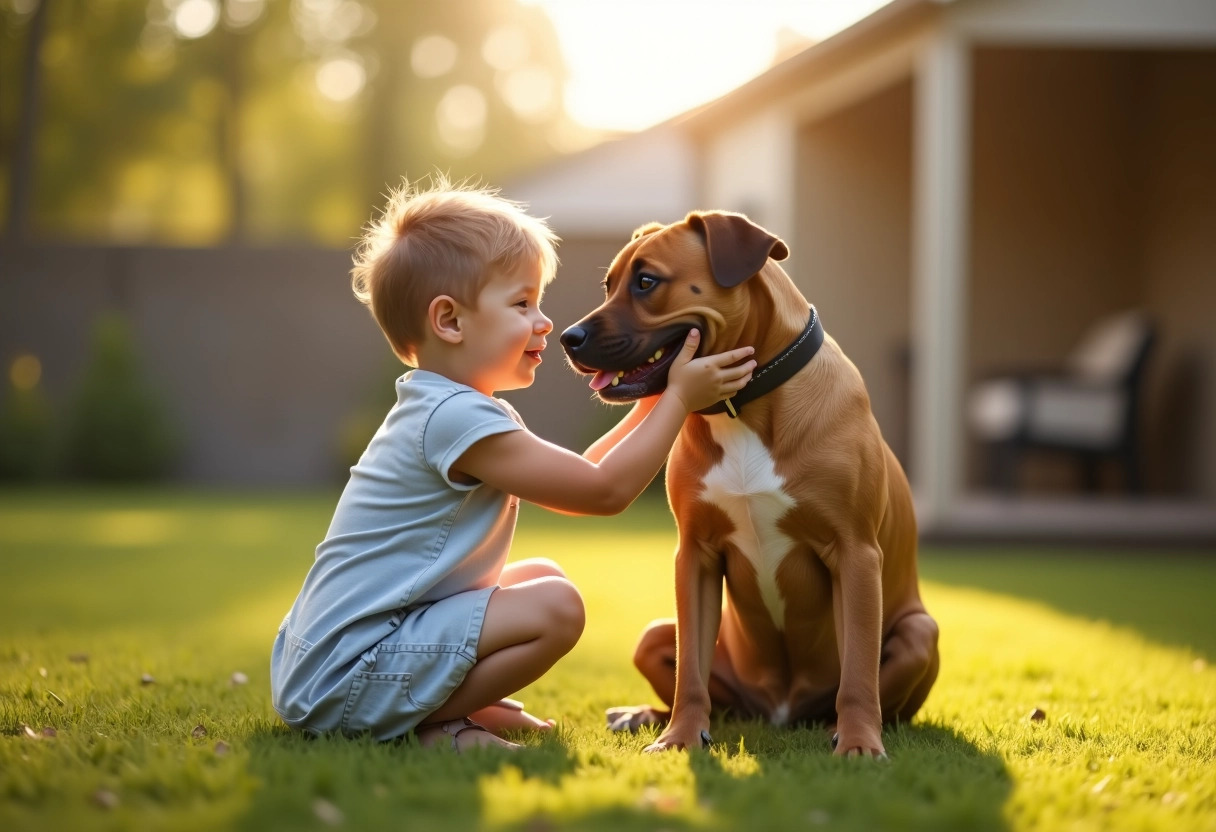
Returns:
(379,703)
(436,670)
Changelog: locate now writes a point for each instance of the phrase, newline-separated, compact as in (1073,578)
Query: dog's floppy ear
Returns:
(737,247)
(648,228)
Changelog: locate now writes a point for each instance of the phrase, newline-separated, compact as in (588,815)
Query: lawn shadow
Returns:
(1164,595)
(763,778)
(935,779)
(308,782)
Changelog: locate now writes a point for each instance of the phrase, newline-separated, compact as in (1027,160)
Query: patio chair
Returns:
(1089,409)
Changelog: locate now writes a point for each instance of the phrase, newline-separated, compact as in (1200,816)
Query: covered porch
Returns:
(967,189)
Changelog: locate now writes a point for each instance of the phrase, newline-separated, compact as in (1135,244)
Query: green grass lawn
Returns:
(125,615)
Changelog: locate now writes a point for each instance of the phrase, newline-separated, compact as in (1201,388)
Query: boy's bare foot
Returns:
(462,733)
(509,715)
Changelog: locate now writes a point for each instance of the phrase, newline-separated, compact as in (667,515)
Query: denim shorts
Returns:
(402,679)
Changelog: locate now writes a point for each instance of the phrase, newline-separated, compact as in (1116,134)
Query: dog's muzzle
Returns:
(622,368)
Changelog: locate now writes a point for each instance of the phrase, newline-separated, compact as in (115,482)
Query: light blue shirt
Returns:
(403,534)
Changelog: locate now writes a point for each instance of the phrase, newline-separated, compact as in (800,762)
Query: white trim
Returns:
(941,189)
(1112,23)
(1077,519)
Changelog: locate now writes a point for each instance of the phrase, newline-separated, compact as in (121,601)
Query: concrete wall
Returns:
(261,356)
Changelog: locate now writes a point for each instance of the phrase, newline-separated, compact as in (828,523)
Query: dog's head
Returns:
(666,281)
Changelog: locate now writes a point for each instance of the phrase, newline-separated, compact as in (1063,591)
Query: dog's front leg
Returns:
(698,616)
(857,607)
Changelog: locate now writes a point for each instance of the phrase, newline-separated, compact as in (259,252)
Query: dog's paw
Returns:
(679,740)
(631,718)
(860,747)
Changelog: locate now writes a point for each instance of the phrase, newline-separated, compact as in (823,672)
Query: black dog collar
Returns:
(776,372)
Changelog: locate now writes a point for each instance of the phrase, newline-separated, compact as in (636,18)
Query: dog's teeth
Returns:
(658,355)
(621,374)
(617,380)
(650,360)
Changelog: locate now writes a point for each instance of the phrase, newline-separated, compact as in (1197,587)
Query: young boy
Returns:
(409,618)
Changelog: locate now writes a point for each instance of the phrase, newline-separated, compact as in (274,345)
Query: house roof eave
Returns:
(821,56)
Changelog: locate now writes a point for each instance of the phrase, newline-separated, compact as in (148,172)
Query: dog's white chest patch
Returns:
(746,486)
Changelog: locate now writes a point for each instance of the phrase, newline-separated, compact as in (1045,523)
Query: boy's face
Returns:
(505,334)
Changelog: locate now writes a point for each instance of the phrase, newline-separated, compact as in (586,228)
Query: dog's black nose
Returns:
(574,337)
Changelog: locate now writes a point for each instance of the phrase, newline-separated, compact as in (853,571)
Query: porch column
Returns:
(939,244)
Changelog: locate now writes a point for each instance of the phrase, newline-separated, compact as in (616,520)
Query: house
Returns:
(964,186)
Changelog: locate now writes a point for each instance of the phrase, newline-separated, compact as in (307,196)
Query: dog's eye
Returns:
(646,282)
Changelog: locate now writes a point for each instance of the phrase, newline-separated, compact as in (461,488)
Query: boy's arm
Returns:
(523,464)
(621,429)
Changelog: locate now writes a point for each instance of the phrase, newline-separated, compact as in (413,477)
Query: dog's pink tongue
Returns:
(602,379)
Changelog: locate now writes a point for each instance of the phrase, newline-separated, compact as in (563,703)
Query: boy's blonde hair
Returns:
(444,240)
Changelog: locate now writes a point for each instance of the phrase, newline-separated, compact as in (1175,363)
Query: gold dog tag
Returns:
(730,408)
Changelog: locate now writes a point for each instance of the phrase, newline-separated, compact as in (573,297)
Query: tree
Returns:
(21,166)
(268,120)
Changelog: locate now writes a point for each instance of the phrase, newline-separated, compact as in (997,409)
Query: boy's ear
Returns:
(443,317)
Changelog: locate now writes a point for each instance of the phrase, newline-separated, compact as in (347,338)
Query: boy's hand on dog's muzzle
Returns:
(701,382)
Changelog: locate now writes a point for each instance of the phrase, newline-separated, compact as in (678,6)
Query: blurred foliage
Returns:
(118,429)
(199,121)
(27,427)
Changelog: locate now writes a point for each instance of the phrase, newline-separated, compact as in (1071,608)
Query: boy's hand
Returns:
(701,382)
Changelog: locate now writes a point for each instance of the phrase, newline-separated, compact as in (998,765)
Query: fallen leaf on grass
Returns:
(199,732)
(221,748)
(147,679)
(49,732)
(105,799)
(30,732)
(1038,715)
(327,812)
(42,672)
(238,678)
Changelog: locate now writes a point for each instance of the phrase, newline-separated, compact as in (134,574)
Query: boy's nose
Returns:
(543,325)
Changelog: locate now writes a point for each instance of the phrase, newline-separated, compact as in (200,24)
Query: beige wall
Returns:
(851,242)
(1092,182)
(1176,98)
(1051,245)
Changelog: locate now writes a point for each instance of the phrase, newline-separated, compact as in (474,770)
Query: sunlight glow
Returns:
(341,78)
(635,63)
(433,55)
(239,13)
(530,91)
(461,118)
(25,372)
(506,47)
(195,18)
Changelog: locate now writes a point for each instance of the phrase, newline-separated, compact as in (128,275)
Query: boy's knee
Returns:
(544,567)
(566,610)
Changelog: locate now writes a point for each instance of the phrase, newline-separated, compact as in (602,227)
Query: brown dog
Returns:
(797,503)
